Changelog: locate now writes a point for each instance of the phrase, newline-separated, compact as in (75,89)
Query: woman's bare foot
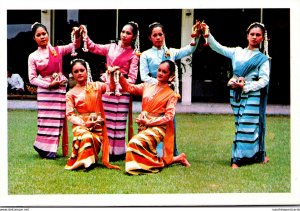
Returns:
(266,160)
(184,160)
(234,166)
(181,159)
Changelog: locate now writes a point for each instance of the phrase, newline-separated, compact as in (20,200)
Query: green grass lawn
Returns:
(206,140)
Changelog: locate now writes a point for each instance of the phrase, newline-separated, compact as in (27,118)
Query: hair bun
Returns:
(132,22)
(34,24)
(154,23)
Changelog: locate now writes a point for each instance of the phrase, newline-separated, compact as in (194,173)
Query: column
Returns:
(46,19)
(186,30)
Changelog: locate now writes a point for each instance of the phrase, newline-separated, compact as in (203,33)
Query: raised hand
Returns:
(196,32)
(74,35)
(76,32)
(205,31)
(83,32)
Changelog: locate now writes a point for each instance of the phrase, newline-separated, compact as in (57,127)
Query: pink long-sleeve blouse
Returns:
(125,58)
(39,60)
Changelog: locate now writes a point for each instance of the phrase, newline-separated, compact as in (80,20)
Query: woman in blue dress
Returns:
(151,58)
(248,94)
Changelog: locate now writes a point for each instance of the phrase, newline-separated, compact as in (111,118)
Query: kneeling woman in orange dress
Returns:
(155,124)
(85,112)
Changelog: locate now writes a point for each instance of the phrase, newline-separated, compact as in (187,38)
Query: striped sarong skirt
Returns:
(51,113)
(141,154)
(116,111)
(246,145)
(85,148)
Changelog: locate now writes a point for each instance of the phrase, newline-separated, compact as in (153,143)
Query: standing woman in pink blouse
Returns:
(124,55)
(45,72)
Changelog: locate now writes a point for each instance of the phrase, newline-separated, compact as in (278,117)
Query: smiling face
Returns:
(41,37)
(157,37)
(79,73)
(254,37)
(163,73)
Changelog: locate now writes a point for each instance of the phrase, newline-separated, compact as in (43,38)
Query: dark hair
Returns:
(80,61)
(254,25)
(36,25)
(135,30)
(154,25)
(171,64)
(9,69)
(134,26)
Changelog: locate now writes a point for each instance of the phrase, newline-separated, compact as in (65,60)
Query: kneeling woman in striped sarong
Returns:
(85,112)
(155,124)
(248,95)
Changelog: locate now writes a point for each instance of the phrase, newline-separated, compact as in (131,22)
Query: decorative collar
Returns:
(254,49)
(155,48)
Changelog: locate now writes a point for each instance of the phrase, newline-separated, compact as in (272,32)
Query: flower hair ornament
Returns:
(175,82)
(167,51)
(266,44)
(52,50)
(89,74)
(137,40)
(154,23)
(35,23)
(255,23)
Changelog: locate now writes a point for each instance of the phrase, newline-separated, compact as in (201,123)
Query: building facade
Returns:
(203,76)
